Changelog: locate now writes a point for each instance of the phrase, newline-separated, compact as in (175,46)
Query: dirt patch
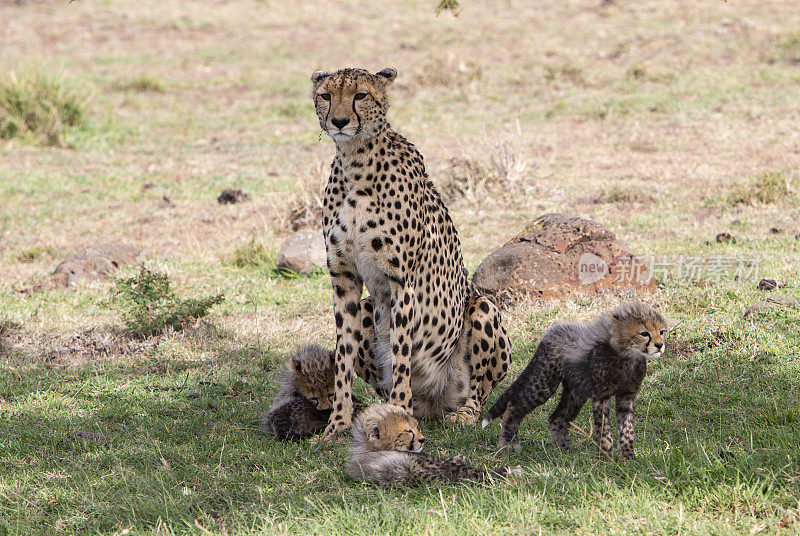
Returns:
(70,349)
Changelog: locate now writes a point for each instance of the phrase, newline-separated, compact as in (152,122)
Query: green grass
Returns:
(717,443)
(39,107)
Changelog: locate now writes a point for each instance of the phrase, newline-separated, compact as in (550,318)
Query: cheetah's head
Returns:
(315,372)
(388,427)
(351,103)
(638,328)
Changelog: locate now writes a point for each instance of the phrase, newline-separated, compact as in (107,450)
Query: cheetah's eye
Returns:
(644,334)
(360,96)
(325,96)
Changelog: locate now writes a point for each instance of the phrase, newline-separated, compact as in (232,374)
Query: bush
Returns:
(766,188)
(39,107)
(148,304)
(252,253)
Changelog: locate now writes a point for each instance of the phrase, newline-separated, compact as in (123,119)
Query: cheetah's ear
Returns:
(388,75)
(295,365)
(319,76)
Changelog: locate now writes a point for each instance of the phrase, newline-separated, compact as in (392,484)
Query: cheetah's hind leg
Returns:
(489,356)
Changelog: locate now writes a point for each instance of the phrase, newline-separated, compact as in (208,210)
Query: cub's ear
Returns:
(374,433)
(388,74)
(319,76)
(371,429)
(295,365)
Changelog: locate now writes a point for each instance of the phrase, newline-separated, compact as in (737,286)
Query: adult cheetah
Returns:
(422,330)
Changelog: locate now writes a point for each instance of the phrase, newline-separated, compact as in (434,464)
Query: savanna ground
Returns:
(666,121)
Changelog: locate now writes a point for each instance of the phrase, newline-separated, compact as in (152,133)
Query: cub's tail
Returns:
(520,383)
(499,407)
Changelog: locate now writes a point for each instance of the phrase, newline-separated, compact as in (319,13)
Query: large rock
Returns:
(558,255)
(303,252)
(93,263)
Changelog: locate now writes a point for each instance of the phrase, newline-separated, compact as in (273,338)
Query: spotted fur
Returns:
(599,360)
(387,450)
(302,407)
(421,330)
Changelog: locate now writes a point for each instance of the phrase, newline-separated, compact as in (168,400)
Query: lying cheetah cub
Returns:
(303,404)
(387,449)
(599,360)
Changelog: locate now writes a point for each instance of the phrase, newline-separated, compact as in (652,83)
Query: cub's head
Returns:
(637,327)
(313,368)
(351,103)
(387,427)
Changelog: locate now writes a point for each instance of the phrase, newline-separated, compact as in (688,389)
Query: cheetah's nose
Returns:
(658,345)
(340,122)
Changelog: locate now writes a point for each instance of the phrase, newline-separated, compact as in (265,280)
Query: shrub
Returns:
(148,305)
(39,107)
(252,253)
(766,188)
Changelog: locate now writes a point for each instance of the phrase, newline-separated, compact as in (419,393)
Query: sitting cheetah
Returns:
(421,330)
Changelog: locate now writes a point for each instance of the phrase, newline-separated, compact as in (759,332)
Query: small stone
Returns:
(776,230)
(767,284)
(232,197)
(303,252)
(166,202)
(723,238)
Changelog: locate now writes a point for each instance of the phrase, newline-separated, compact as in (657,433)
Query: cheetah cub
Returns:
(387,450)
(303,404)
(597,360)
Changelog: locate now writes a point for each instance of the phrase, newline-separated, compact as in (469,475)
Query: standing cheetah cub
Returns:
(387,450)
(599,360)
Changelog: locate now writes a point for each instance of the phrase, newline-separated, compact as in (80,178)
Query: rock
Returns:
(93,263)
(558,255)
(232,197)
(767,284)
(166,202)
(722,238)
(303,252)
(776,301)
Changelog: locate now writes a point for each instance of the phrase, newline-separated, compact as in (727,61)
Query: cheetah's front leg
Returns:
(347,288)
(489,352)
(401,338)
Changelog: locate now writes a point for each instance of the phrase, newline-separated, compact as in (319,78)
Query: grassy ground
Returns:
(659,119)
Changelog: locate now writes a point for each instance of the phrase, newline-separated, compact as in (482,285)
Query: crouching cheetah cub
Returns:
(599,360)
(303,404)
(422,330)
(387,450)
